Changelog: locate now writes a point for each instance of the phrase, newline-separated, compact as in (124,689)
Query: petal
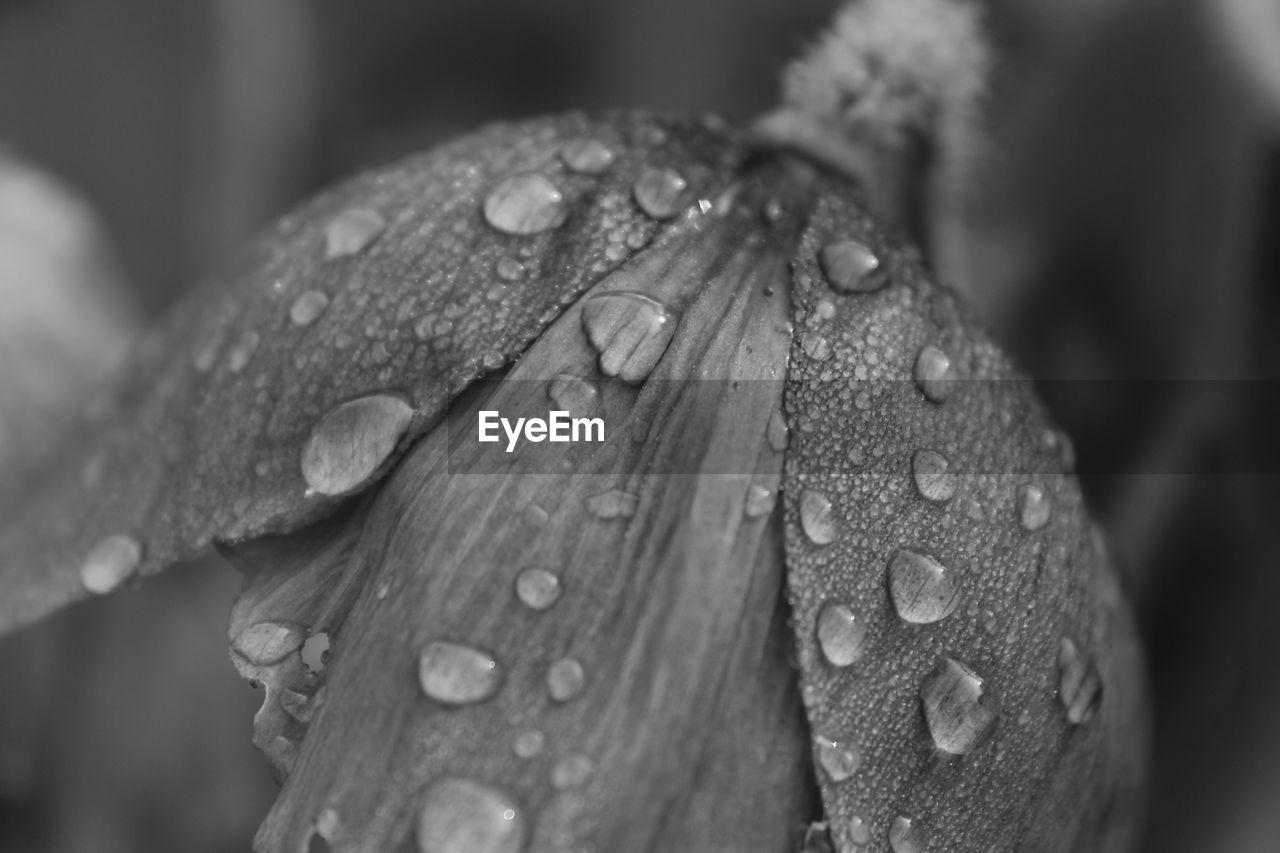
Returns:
(401,286)
(972,726)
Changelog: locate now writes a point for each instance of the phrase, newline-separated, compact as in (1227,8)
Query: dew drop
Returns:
(759,501)
(839,761)
(327,824)
(268,642)
(1079,684)
(587,156)
(454,674)
(660,193)
(905,836)
(110,563)
(565,679)
(529,744)
(508,268)
(349,444)
(537,589)
(960,709)
(932,373)
(818,518)
(857,830)
(578,396)
(242,351)
(308,307)
(851,267)
(630,330)
(1034,507)
(922,589)
(815,346)
(352,232)
(525,204)
(463,816)
(571,772)
(841,635)
(933,475)
(613,504)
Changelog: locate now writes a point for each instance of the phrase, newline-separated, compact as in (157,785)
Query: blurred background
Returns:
(1124,226)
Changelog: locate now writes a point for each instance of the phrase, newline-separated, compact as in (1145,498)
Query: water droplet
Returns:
(1034,507)
(529,744)
(327,824)
(242,351)
(933,374)
(525,204)
(851,267)
(660,193)
(268,642)
(587,156)
(205,356)
(315,652)
(934,479)
(815,346)
(857,830)
(905,836)
(349,444)
(841,635)
(631,331)
(565,679)
(308,307)
(1079,683)
(777,431)
(463,816)
(840,761)
(454,674)
(578,396)
(110,563)
(818,518)
(570,772)
(759,502)
(960,709)
(352,232)
(508,268)
(922,589)
(537,589)
(613,504)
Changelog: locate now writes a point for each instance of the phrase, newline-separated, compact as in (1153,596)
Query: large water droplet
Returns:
(529,744)
(242,351)
(580,397)
(454,674)
(959,707)
(815,346)
(934,479)
(537,589)
(525,204)
(857,830)
(613,504)
(759,501)
(932,373)
(1079,683)
(660,193)
(352,232)
(308,307)
(1034,507)
(851,267)
(110,564)
(268,642)
(565,679)
(571,772)
(922,589)
(841,635)
(905,836)
(349,444)
(818,518)
(631,331)
(587,156)
(840,761)
(463,816)
(776,432)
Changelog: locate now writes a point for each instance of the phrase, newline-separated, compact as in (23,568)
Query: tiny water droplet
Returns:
(242,351)
(529,744)
(571,772)
(932,373)
(587,156)
(905,836)
(613,504)
(959,708)
(315,652)
(508,268)
(268,642)
(327,824)
(565,679)
(815,346)
(1079,684)
(851,267)
(933,475)
(777,431)
(1034,507)
(352,232)
(110,563)
(630,330)
(840,761)
(308,307)
(537,589)
(454,674)
(660,192)
(759,502)
(525,204)
(857,830)
(818,518)
(922,589)
(351,442)
(841,635)
(464,816)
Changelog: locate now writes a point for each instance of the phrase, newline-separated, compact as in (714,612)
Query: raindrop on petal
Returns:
(242,351)
(454,674)
(110,563)
(352,232)
(851,267)
(587,156)
(857,830)
(1079,684)
(351,443)
(537,589)
(525,204)
(613,504)
(777,431)
(841,635)
(308,307)
(268,642)
(922,589)
(631,332)
(565,679)
(905,836)
(840,761)
(571,772)
(815,346)
(759,502)
(959,708)
(932,373)
(660,193)
(934,479)
(1034,507)
(818,518)
(463,816)
(529,744)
